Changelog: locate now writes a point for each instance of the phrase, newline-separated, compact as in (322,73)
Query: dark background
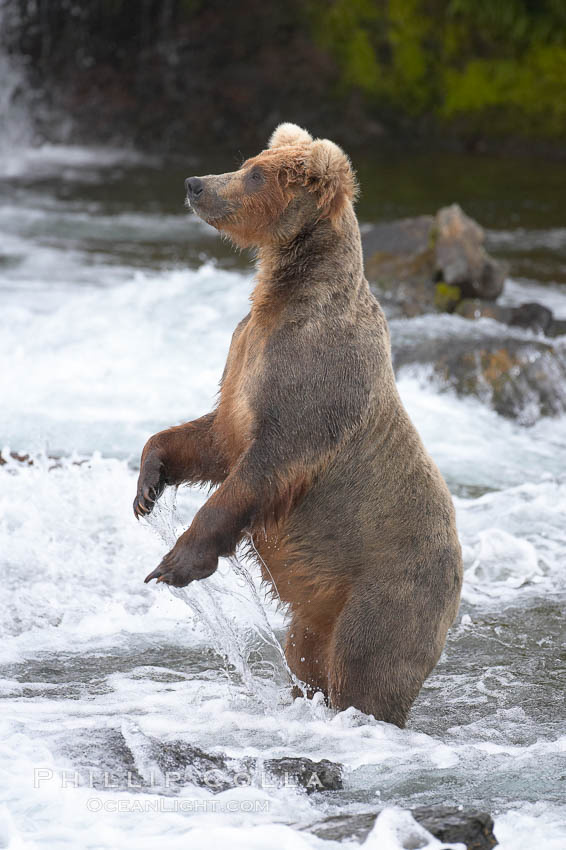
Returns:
(471,75)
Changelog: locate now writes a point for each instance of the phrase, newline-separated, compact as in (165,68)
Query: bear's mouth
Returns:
(212,213)
(206,197)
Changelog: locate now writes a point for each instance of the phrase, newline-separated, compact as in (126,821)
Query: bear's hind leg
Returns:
(376,663)
(306,653)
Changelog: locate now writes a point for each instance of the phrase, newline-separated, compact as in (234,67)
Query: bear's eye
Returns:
(254,179)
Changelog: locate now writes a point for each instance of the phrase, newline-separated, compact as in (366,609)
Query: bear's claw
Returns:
(145,502)
(151,484)
(170,571)
(158,574)
(183,564)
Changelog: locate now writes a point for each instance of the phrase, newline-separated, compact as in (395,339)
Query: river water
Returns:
(116,311)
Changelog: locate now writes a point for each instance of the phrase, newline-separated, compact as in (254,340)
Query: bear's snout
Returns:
(194,187)
(208,197)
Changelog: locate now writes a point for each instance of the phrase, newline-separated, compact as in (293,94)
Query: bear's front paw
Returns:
(187,561)
(151,484)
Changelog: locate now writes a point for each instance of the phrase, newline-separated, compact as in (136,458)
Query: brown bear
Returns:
(317,461)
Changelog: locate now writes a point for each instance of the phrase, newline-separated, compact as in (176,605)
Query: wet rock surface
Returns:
(399,262)
(460,258)
(449,825)
(430,263)
(127,759)
(438,264)
(530,315)
(321,775)
(518,375)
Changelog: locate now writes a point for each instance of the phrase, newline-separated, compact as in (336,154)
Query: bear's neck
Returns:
(319,267)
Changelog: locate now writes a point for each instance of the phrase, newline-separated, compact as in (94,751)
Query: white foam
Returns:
(95,357)
(518,292)
(513,539)
(107,367)
(395,828)
(475,447)
(67,162)
(530,826)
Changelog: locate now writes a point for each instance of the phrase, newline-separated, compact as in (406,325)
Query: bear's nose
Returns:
(194,187)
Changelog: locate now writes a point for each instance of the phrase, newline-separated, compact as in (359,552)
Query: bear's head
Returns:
(294,183)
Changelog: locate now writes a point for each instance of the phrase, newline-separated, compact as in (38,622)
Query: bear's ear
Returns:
(289,134)
(330,175)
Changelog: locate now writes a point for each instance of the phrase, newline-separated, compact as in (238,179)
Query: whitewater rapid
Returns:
(105,339)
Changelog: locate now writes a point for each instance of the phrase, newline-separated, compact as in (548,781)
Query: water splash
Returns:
(241,647)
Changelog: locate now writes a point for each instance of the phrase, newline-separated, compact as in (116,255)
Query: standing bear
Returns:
(314,455)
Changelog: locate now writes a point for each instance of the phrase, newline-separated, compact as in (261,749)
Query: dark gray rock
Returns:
(217,772)
(312,775)
(180,762)
(478,308)
(166,766)
(557,328)
(101,759)
(449,825)
(519,376)
(460,258)
(532,316)
(403,238)
(473,829)
(430,263)
(399,263)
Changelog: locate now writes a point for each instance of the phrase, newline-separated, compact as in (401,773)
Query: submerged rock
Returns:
(180,762)
(477,308)
(450,825)
(217,772)
(102,760)
(312,775)
(430,263)
(127,758)
(557,328)
(531,315)
(519,376)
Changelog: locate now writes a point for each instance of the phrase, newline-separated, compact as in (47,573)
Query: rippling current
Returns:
(116,311)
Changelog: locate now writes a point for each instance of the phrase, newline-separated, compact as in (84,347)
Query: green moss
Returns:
(409,34)
(532,94)
(482,65)
(432,237)
(446,297)
(344,29)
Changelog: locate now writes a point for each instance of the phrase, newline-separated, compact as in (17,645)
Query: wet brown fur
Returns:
(314,453)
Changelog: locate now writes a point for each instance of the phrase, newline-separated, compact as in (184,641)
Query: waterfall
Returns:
(16,125)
